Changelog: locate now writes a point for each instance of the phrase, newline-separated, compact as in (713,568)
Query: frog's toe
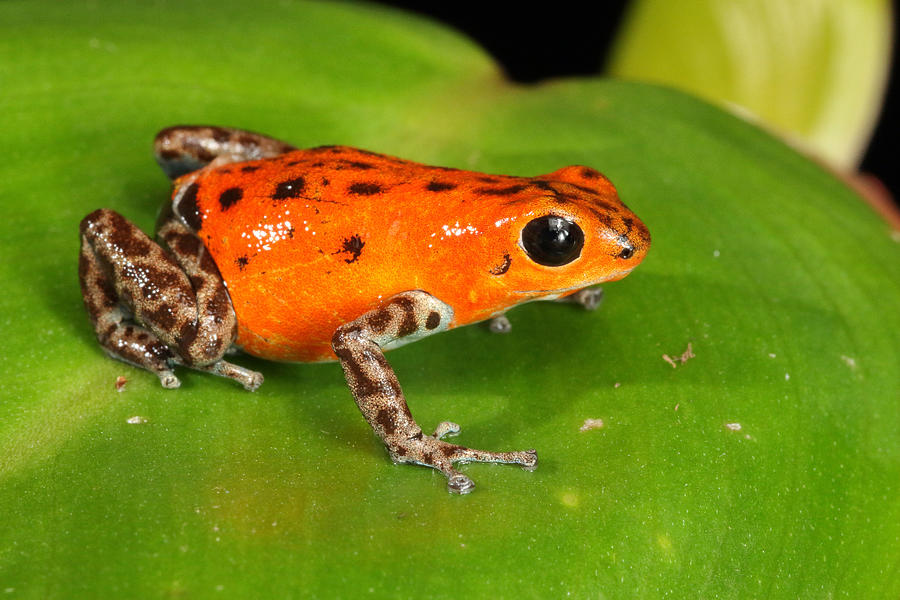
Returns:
(255,380)
(529,460)
(444,429)
(168,380)
(459,483)
(588,298)
(500,324)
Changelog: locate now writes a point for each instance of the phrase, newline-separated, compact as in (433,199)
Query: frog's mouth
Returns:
(558,291)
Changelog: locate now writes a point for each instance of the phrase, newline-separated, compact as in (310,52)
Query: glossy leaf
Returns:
(767,465)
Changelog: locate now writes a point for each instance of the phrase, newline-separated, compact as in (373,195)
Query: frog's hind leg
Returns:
(151,311)
(203,346)
(186,148)
(113,257)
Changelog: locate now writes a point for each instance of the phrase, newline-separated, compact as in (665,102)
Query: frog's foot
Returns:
(431,451)
(499,324)
(588,298)
(185,148)
(251,380)
(445,429)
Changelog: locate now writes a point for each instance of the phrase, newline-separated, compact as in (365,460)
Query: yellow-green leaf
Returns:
(812,70)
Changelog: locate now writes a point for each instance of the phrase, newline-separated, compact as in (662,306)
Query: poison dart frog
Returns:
(339,253)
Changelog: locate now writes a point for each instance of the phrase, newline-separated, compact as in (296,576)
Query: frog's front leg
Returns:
(587,298)
(359,346)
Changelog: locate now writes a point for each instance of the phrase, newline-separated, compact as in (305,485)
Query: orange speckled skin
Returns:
(312,239)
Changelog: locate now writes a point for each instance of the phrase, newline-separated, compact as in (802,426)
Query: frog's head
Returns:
(569,230)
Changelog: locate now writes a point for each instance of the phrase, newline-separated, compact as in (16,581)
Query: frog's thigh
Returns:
(377,392)
(185,148)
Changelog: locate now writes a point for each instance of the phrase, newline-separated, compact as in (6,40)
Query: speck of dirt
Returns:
(591,424)
(685,356)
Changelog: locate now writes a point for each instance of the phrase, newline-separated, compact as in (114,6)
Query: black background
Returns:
(542,40)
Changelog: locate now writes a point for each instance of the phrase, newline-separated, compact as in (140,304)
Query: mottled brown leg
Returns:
(185,148)
(144,306)
(202,344)
(119,336)
(114,264)
(359,346)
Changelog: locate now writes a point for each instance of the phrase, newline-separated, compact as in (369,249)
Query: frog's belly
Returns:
(293,314)
(288,322)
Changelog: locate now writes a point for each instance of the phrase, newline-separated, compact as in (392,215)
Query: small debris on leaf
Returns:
(733,426)
(137,420)
(120,383)
(591,424)
(687,355)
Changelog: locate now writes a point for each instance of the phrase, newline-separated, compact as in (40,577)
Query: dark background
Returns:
(554,39)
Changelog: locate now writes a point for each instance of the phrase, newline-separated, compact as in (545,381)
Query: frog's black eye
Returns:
(552,241)
(627,252)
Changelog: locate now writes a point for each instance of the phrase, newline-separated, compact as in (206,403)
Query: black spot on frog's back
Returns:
(509,190)
(355,165)
(353,246)
(292,188)
(363,188)
(230,197)
(440,186)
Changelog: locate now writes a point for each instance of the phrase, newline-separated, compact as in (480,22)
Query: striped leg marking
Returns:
(359,346)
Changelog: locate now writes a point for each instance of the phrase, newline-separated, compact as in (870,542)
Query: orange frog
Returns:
(334,252)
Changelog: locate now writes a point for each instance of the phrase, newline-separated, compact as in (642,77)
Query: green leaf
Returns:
(812,70)
(785,286)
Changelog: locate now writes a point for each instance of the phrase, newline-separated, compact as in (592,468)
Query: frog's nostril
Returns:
(626,248)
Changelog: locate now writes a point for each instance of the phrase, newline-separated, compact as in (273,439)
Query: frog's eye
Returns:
(552,241)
